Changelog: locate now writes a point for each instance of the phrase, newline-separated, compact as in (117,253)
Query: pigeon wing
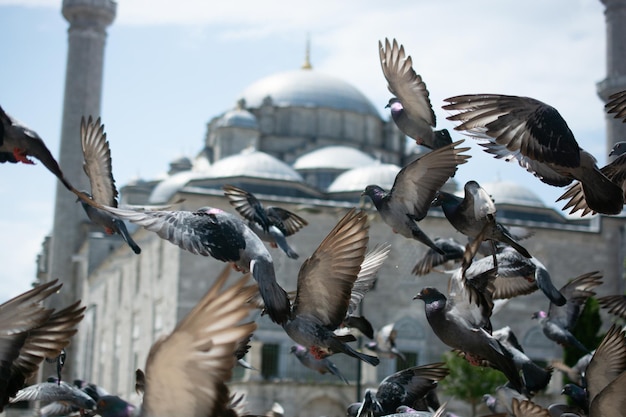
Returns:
(97,161)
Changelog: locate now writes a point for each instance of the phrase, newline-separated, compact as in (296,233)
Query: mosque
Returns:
(310,143)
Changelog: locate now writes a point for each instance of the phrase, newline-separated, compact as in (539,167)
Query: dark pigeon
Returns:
(410,108)
(476,212)
(557,324)
(535,134)
(97,166)
(224,236)
(414,189)
(614,171)
(452,251)
(325,283)
(271,224)
(322,366)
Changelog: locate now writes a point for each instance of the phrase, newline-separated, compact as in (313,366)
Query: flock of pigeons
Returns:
(186,371)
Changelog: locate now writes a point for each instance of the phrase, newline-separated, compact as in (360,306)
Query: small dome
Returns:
(238,118)
(179,164)
(308,88)
(507,192)
(253,163)
(171,185)
(358,178)
(338,157)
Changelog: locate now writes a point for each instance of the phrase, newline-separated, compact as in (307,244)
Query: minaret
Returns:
(615,81)
(83,92)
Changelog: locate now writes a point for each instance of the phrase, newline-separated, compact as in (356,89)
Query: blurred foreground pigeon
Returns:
(224,236)
(18,143)
(410,108)
(325,283)
(461,325)
(60,391)
(322,366)
(475,213)
(271,224)
(535,134)
(614,171)
(97,166)
(414,189)
(557,324)
(186,372)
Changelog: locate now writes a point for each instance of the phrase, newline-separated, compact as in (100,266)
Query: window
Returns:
(269,360)
(410,361)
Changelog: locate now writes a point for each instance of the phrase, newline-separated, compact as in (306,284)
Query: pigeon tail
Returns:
(281,241)
(332,368)
(274,296)
(542,278)
(601,194)
(506,237)
(362,324)
(121,227)
(347,349)
(420,236)
(535,377)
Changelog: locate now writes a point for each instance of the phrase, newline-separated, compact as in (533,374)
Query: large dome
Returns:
(337,157)
(357,179)
(253,163)
(308,88)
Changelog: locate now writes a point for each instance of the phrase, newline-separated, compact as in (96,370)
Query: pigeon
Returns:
(114,406)
(452,251)
(537,136)
(501,401)
(271,224)
(186,371)
(558,323)
(59,391)
(224,236)
(29,333)
(463,326)
(63,407)
(414,189)
(410,108)
(385,344)
(97,166)
(474,213)
(574,373)
(322,366)
(535,377)
(615,305)
(614,171)
(617,105)
(18,142)
(325,283)
(408,387)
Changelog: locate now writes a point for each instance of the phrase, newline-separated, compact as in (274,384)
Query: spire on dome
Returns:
(307,55)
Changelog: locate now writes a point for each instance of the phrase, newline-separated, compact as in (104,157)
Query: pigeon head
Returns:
(87,193)
(538,315)
(618,149)
(114,406)
(298,350)
(209,210)
(374,192)
(394,103)
(430,295)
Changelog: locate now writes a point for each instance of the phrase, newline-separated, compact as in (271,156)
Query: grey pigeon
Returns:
(410,108)
(271,224)
(535,377)
(464,326)
(408,387)
(557,324)
(186,371)
(322,366)
(614,171)
(325,283)
(476,212)
(452,251)
(385,343)
(18,142)
(414,189)
(615,305)
(502,399)
(97,166)
(213,232)
(56,391)
(535,134)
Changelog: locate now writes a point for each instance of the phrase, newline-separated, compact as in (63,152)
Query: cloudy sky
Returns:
(170,69)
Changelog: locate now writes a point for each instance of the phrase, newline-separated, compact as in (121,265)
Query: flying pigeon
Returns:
(325,283)
(271,224)
(322,366)
(614,171)
(385,343)
(535,134)
(186,371)
(462,325)
(408,387)
(576,372)
(97,166)
(476,212)
(410,108)
(18,143)
(414,189)
(213,232)
(558,323)
(56,392)
(452,251)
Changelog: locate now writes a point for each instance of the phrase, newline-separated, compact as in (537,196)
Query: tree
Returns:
(467,382)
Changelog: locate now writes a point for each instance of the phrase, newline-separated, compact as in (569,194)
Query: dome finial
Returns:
(307,55)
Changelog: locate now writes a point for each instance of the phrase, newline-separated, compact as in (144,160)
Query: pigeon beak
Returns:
(388,105)
(612,152)
(418,296)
